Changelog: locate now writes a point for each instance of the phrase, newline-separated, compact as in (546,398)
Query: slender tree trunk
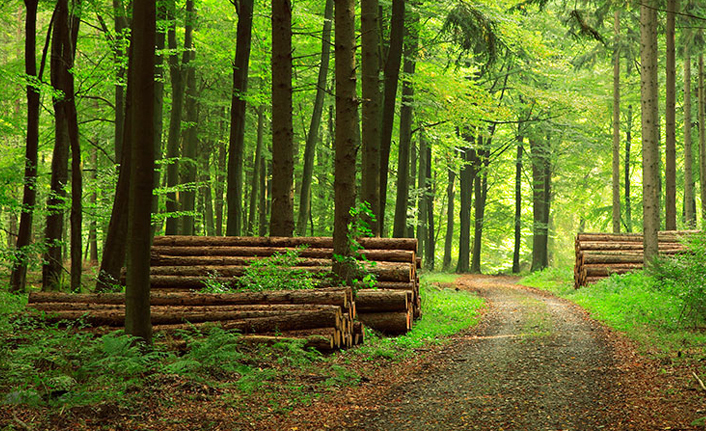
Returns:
(411,227)
(616,124)
(540,197)
(176,72)
(141,109)
(430,244)
(93,226)
(205,180)
(448,240)
(702,139)
(518,203)
(346,140)
(628,144)
(650,125)
(315,125)
(689,200)
(158,107)
(371,109)
(481,191)
(18,275)
(237,118)
(189,165)
(406,118)
(422,221)
(282,213)
(466,179)
(670,115)
(220,180)
(121,45)
(391,71)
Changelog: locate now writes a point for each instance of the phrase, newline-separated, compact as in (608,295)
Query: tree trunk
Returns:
(481,191)
(139,233)
(448,240)
(121,44)
(468,174)
(315,124)
(346,140)
(702,138)
(422,221)
(628,143)
(670,122)
(689,199)
(406,117)
(541,182)
(650,127)
(189,137)
(370,77)
(24,236)
(282,211)
(220,181)
(93,227)
(158,107)
(206,184)
(430,244)
(237,117)
(264,209)
(518,203)
(616,124)
(391,71)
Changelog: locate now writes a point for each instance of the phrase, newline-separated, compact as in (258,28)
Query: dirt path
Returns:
(535,363)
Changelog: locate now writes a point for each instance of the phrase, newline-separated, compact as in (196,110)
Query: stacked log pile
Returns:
(185,262)
(324,318)
(598,255)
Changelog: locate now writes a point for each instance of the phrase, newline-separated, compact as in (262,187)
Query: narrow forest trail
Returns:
(535,363)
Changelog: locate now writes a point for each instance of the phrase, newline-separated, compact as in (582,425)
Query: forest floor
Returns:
(535,362)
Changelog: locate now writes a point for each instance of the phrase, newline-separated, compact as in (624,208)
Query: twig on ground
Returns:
(701,383)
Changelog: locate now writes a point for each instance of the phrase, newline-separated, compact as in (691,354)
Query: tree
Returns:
(689,200)
(313,136)
(650,124)
(616,124)
(237,117)
(141,110)
(448,239)
(670,122)
(468,174)
(370,82)
(282,212)
(540,150)
(518,202)
(346,139)
(189,132)
(18,275)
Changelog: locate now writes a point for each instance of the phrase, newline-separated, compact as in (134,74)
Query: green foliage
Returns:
(359,228)
(682,276)
(278,272)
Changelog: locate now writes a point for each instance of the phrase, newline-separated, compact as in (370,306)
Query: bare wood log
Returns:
(341,296)
(369,300)
(392,323)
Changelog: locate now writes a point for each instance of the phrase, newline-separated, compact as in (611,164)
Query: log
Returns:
(370,300)
(624,246)
(318,342)
(341,296)
(671,236)
(179,309)
(248,321)
(605,271)
(606,257)
(391,323)
(314,242)
(214,260)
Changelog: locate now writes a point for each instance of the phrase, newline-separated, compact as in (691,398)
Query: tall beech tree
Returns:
(448,238)
(649,97)
(18,276)
(670,174)
(313,136)
(616,123)
(237,117)
(541,154)
(282,211)
(189,163)
(141,110)
(689,199)
(346,140)
(466,178)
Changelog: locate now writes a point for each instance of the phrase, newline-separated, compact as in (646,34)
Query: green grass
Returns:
(631,304)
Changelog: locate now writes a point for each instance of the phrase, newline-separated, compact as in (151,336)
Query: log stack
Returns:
(598,255)
(324,318)
(184,262)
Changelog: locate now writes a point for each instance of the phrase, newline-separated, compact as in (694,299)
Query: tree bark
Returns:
(400,225)
(430,243)
(158,107)
(391,71)
(315,124)
(206,184)
(189,139)
(616,124)
(518,202)
(93,227)
(237,117)
(541,193)
(650,127)
(18,275)
(346,139)
(628,143)
(670,122)
(370,83)
(282,211)
(220,181)
(448,240)
(467,176)
(689,199)
(121,45)
(422,221)
(481,192)
(139,233)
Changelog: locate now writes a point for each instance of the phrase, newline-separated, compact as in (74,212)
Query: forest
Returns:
(493,132)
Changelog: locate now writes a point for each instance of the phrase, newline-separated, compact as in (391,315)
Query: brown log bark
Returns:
(669,236)
(316,242)
(623,245)
(605,271)
(370,300)
(617,257)
(391,323)
(320,253)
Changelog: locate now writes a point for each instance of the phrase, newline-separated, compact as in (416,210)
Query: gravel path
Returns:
(536,363)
